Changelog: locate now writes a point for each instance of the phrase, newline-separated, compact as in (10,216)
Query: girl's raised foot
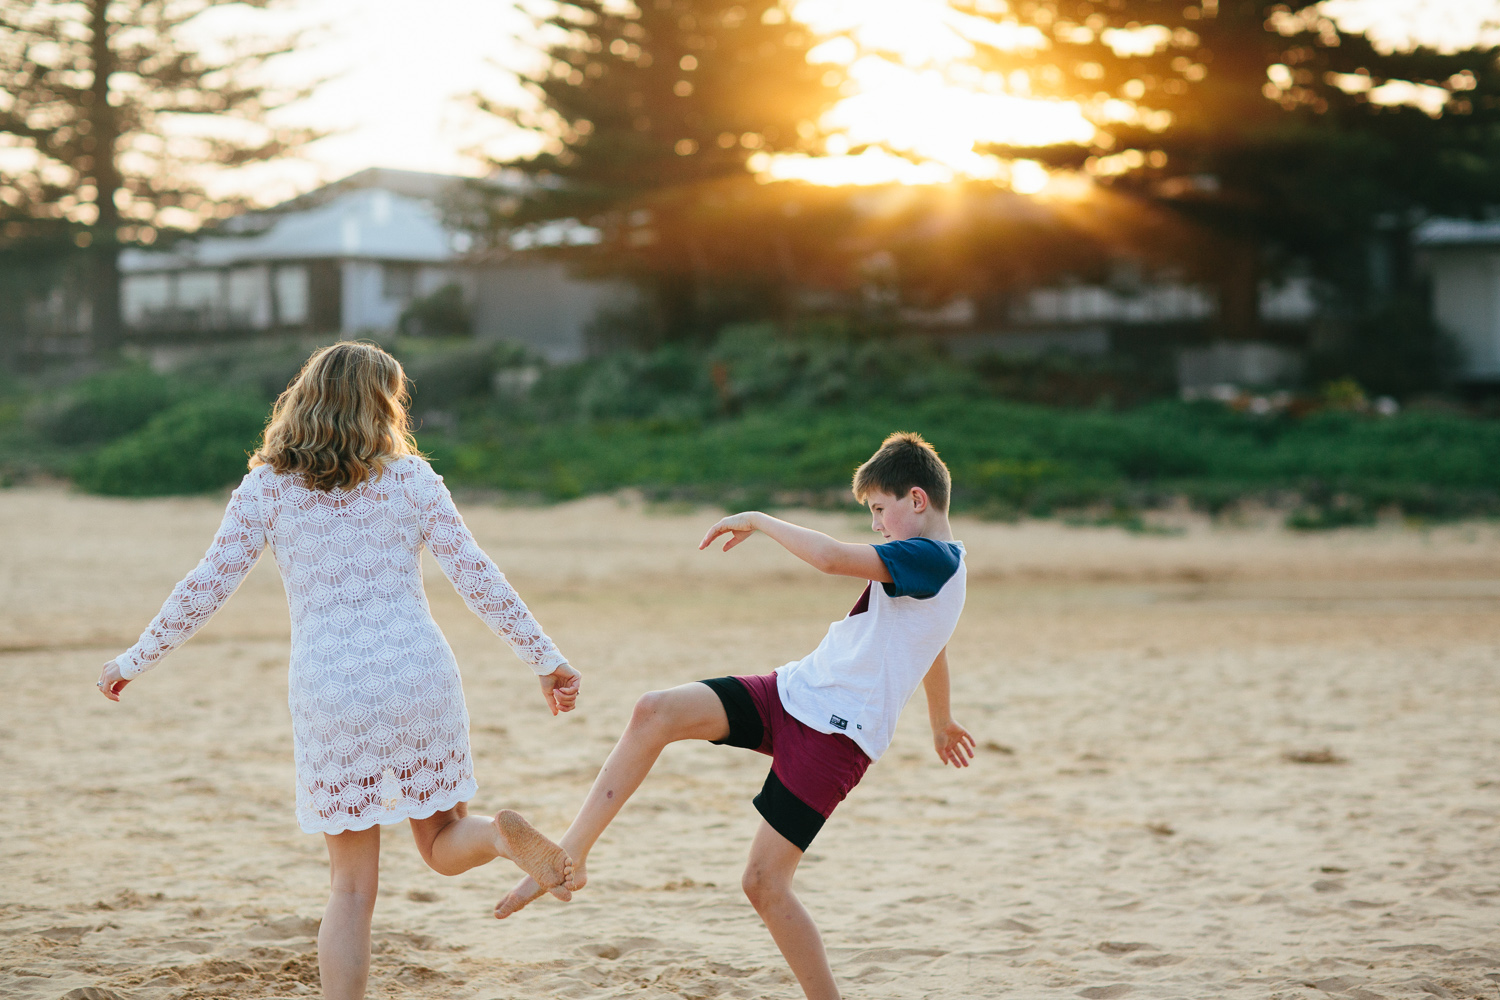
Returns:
(546,865)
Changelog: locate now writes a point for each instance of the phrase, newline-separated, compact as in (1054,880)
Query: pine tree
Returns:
(1265,121)
(93,90)
(669,92)
(650,114)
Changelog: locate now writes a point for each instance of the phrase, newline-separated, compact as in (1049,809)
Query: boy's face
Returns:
(897,518)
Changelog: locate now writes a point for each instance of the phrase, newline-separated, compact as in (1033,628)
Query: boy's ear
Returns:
(919,499)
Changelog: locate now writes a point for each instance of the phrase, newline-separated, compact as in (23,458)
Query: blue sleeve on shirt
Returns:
(918,566)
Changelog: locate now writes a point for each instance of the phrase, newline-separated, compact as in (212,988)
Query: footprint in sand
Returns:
(1106,992)
(1124,947)
(611,950)
(284,928)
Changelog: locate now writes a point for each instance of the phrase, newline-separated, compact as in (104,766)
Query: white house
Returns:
(1463,261)
(349,265)
(348,259)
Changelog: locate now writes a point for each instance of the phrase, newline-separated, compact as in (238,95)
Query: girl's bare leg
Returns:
(768,884)
(452,842)
(689,712)
(344,937)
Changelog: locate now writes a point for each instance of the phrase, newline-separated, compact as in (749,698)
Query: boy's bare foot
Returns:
(527,890)
(546,865)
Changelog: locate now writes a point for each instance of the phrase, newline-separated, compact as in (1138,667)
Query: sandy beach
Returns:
(1233,762)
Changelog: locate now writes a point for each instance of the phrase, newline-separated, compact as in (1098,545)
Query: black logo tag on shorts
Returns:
(838,723)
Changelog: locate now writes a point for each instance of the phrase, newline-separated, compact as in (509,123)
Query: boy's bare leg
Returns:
(688,712)
(344,936)
(452,841)
(768,884)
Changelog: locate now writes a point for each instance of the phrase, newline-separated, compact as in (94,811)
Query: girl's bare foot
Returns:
(546,865)
(527,890)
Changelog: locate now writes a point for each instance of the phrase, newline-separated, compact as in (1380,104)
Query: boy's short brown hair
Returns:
(903,461)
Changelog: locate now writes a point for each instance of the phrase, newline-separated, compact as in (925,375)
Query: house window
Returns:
(249,298)
(201,290)
(398,282)
(145,296)
(291,296)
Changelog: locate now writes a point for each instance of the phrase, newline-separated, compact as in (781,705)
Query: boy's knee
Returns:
(760,886)
(650,709)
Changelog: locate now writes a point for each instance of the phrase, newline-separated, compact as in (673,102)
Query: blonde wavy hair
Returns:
(341,420)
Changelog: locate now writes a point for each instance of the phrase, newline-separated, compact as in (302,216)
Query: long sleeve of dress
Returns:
(478,580)
(235,549)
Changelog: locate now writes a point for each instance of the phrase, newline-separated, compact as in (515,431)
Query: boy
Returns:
(825,718)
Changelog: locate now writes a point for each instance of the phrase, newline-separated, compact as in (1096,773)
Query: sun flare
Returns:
(917,110)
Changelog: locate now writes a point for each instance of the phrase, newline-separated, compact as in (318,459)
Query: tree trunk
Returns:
(1239,289)
(104,297)
(104,277)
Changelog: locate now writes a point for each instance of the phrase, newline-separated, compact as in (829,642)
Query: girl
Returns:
(380,730)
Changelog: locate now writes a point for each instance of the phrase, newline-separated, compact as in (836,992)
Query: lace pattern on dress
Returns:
(235,550)
(379,722)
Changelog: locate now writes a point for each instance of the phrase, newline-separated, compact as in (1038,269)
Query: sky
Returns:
(397,72)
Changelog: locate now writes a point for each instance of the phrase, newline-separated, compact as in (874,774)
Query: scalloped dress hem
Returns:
(389,817)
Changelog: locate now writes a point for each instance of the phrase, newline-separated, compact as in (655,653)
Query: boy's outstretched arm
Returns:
(954,743)
(818,550)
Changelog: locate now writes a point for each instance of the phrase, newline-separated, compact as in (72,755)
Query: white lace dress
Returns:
(379,725)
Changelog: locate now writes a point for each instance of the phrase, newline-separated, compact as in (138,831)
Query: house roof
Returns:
(363,223)
(1457,232)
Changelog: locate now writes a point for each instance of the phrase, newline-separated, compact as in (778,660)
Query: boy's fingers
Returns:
(714,532)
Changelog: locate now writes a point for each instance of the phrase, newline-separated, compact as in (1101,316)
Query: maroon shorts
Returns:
(811,772)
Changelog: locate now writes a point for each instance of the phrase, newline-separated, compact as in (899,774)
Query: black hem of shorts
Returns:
(788,815)
(745,727)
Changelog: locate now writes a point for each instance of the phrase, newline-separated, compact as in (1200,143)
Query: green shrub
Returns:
(105,406)
(194,447)
(448,374)
(759,418)
(1337,512)
(260,368)
(443,313)
(1009,459)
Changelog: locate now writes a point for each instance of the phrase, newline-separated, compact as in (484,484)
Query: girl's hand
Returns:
(110,682)
(560,688)
(741,526)
(954,744)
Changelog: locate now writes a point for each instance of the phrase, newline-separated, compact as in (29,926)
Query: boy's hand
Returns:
(560,688)
(741,526)
(954,744)
(110,683)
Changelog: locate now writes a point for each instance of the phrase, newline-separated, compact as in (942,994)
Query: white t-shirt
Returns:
(869,664)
